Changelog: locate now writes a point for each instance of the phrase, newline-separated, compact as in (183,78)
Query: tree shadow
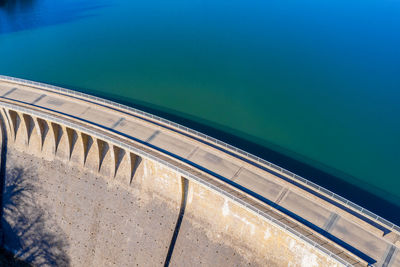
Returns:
(26,225)
(8,259)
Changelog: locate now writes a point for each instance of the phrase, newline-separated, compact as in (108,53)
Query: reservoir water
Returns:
(313,86)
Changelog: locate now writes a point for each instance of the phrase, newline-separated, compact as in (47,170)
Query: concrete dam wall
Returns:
(96,207)
(87,183)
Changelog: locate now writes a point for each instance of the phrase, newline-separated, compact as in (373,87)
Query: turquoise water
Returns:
(311,85)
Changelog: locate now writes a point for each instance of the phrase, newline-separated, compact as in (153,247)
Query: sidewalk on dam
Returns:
(358,233)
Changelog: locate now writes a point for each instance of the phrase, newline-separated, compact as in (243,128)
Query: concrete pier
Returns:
(112,180)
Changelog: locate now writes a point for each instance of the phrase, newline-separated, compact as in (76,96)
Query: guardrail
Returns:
(347,203)
(184,173)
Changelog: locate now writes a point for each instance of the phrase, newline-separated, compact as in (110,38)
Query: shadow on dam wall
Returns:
(25,235)
(25,223)
(62,207)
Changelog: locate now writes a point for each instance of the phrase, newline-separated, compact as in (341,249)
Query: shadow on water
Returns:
(19,15)
(335,183)
(26,225)
(12,5)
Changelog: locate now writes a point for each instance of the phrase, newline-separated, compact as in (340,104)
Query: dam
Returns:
(108,185)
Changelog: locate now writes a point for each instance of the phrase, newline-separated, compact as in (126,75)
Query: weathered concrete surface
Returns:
(94,221)
(79,218)
(58,212)
(218,232)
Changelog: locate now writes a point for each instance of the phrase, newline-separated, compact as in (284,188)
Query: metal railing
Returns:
(347,203)
(186,174)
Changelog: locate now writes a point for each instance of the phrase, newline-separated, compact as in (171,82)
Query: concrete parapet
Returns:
(223,224)
(216,222)
(215,230)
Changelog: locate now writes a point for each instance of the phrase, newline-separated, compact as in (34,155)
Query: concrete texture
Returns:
(215,226)
(93,221)
(54,142)
(88,219)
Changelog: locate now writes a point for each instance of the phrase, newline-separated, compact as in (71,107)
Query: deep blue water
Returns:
(311,85)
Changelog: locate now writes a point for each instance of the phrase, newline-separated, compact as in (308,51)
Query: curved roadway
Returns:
(372,239)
